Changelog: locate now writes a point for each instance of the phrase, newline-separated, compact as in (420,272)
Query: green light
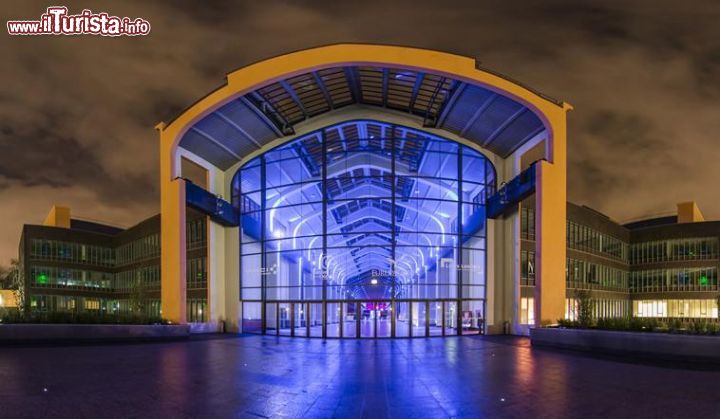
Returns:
(42,279)
(703,280)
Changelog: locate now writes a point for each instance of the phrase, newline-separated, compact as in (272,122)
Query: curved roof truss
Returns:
(246,123)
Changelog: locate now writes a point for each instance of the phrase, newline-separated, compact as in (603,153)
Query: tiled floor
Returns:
(254,376)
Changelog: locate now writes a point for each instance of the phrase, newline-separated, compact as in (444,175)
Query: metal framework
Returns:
(368,228)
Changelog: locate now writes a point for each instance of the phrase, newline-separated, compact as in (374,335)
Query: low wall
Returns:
(647,344)
(29,333)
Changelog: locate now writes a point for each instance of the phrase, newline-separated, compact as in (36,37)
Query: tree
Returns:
(138,297)
(4,277)
(12,278)
(586,308)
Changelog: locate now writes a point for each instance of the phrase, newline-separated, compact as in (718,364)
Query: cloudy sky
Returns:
(77,113)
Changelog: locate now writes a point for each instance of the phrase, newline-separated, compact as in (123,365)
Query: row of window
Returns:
(196,233)
(602,308)
(605,308)
(196,273)
(196,307)
(197,310)
(53,277)
(580,237)
(148,277)
(676,308)
(674,250)
(144,248)
(581,274)
(72,252)
(676,279)
(147,247)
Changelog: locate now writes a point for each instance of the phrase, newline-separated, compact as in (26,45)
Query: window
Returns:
(527,310)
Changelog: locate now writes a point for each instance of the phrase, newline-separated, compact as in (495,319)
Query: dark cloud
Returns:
(37,156)
(78,112)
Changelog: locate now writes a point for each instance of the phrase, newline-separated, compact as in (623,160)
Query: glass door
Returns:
(350,320)
(419,319)
(451,318)
(300,319)
(285,326)
(383,314)
(435,323)
(402,319)
(368,320)
(271,318)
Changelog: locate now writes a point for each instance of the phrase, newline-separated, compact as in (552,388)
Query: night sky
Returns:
(78,111)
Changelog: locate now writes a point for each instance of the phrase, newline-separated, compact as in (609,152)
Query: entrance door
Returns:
(383,314)
(368,320)
(375,319)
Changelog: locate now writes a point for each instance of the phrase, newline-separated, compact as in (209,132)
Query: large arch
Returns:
(467,102)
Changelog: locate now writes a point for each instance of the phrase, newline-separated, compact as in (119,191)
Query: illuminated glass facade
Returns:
(364,228)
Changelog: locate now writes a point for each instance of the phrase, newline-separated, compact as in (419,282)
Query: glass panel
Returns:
(451,318)
(435,318)
(300,319)
(472,317)
(418,319)
(271,318)
(383,313)
(251,318)
(333,320)
(350,318)
(285,319)
(316,320)
(402,319)
(367,320)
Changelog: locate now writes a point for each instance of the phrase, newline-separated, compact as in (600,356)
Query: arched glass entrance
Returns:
(364,229)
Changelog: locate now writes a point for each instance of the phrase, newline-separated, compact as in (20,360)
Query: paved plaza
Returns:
(256,376)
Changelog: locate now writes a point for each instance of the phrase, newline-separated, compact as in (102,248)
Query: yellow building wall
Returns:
(58,217)
(688,212)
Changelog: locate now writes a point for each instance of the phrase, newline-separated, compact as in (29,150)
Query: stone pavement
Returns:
(256,376)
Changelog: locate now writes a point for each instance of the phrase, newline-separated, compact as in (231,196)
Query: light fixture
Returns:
(374,281)
(278,234)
